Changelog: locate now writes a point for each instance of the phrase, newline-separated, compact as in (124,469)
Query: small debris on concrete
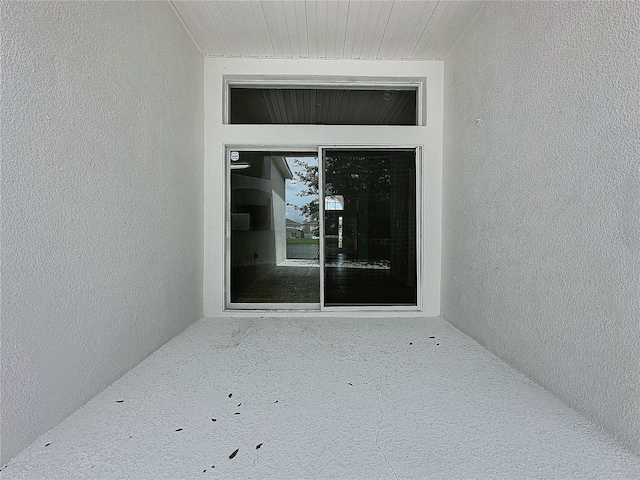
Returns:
(234,453)
(119,401)
(214,420)
(46,445)
(230,395)
(258,446)
(178,429)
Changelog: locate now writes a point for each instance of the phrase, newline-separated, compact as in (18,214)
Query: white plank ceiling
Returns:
(351,29)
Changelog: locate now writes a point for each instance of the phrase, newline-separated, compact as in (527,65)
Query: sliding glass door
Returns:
(311,235)
(370,227)
(273,259)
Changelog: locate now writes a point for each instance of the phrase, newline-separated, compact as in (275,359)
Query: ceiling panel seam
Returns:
(184,24)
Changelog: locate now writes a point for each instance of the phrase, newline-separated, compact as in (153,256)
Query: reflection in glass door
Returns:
(274,230)
(370,227)
(368,220)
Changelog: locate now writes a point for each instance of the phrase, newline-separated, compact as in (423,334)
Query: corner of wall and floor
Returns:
(541,205)
(102,200)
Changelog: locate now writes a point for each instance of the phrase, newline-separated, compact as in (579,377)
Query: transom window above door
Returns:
(323,106)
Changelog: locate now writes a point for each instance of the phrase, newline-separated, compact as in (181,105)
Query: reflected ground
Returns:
(284,283)
(295,280)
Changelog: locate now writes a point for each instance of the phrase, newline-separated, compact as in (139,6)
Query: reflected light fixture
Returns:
(239,166)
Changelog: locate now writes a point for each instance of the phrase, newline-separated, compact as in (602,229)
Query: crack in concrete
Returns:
(380,426)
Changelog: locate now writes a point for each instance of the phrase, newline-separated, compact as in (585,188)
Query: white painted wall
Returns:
(541,242)
(102,147)
(218,134)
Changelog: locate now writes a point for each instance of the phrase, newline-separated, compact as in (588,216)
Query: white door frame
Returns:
(311,307)
(377,308)
(258,307)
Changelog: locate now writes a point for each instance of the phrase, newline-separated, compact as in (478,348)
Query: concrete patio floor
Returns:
(330,398)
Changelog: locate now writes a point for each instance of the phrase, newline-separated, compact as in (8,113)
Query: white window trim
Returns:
(293,81)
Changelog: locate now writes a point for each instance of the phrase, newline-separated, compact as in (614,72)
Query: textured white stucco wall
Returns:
(541,207)
(102,200)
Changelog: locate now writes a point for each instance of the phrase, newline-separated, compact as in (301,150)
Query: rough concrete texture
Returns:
(541,243)
(324,398)
(102,158)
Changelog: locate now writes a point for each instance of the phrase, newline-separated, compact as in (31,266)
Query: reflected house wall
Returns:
(253,243)
(258,239)
(294,229)
(310,229)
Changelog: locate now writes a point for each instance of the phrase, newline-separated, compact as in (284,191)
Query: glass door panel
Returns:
(274,239)
(370,227)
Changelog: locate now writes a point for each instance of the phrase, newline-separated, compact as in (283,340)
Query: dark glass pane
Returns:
(370,244)
(274,246)
(317,106)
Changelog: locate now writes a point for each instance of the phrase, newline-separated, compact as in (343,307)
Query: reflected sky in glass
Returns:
(294,187)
